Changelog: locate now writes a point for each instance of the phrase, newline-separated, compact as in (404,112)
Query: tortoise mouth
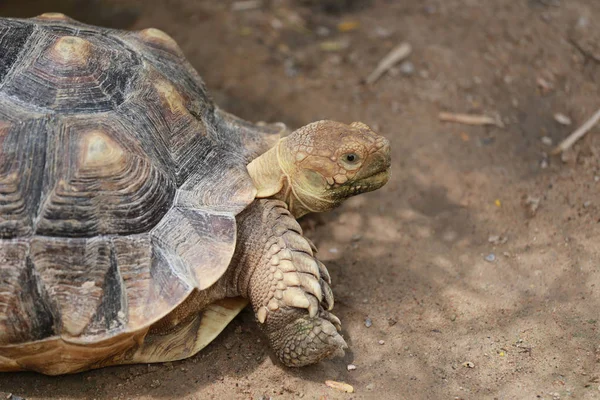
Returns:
(375,175)
(370,183)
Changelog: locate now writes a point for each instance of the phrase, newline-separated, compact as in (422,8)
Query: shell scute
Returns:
(21,171)
(13,36)
(160,51)
(66,72)
(166,128)
(100,181)
(25,313)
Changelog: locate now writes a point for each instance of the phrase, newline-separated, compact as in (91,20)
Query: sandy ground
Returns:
(472,292)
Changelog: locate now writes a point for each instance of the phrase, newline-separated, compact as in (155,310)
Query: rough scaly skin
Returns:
(275,268)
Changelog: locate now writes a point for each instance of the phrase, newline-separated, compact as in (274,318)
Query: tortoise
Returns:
(137,218)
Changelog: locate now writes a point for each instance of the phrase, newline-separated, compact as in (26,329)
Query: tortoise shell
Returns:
(120,181)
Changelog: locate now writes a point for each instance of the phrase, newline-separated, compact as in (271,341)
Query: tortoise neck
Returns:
(272,176)
(268,174)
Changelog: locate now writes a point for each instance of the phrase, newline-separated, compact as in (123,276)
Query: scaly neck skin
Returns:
(271,180)
(267,174)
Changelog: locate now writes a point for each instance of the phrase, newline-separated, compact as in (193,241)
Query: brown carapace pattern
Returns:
(119,186)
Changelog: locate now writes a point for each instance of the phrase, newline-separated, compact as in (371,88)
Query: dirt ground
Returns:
(472,291)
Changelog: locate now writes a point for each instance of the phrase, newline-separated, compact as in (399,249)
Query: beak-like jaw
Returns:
(374,177)
(376,170)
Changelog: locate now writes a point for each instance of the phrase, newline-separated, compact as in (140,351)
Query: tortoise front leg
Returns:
(287,286)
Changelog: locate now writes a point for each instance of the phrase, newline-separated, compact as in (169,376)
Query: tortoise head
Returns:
(324,163)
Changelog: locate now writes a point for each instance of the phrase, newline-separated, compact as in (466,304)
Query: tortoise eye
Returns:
(351,158)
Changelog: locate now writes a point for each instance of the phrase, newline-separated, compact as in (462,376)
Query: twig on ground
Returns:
(398,54)
(470,119)
(578,134)
(246,5)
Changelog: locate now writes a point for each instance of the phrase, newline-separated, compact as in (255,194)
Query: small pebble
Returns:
(429,9)
(531,204)
(333,250)
(290,68)
(351,367)
(381,342)
(490,257)
(544,164)
(356,237)
(392,322)
(276,24)
(155,383)
(587,204)
(468,364)
(368,322)
(407,68)
(544,85)
(323,31)
(547,141)
(562,119)
(453,317)
(597,178)
(497,239)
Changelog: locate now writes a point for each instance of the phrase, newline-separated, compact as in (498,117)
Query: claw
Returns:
(307,282)
(327,295)
(324,273)
(329,330)
(296,297)
(333,319)
(261,315)
(313,308)
(341,345)
(305,263)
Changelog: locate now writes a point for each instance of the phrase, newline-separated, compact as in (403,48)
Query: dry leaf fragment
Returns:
(348,26)
(341,386)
